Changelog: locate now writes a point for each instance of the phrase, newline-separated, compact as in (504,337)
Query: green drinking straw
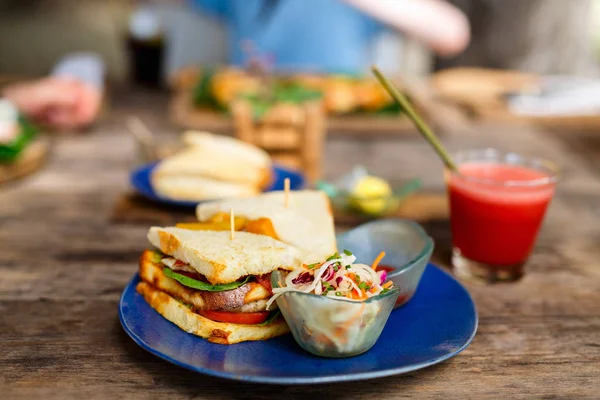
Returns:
(422,127)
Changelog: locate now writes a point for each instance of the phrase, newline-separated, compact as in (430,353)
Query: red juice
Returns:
(496,222)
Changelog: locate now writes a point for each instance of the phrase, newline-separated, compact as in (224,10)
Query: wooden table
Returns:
(66,254)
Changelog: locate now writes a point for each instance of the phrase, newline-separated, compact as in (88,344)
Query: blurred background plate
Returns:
(140,179)
(31,159)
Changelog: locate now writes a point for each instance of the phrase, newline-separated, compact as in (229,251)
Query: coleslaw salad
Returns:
(337,277)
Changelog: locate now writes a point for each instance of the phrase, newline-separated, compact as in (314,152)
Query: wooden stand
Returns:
(292,134)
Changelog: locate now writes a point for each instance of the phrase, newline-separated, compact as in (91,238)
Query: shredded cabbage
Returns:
(349,281)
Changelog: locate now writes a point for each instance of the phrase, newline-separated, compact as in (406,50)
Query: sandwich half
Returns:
(215,287)
(305,223)
(212,167)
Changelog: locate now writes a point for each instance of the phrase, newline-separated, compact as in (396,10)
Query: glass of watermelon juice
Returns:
(497,204)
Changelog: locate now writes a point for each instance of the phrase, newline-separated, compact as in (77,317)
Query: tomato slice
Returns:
(265,280)
(236,317)
(385,268)
(178,263)
(192,275)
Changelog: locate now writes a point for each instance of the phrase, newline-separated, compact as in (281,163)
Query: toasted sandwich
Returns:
(213,286)
(305,223)
(213,167)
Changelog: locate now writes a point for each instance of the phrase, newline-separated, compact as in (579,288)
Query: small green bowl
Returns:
(330,327)
(374,206)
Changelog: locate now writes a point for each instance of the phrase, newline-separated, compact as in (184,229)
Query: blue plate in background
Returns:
(439,322)
(140,179)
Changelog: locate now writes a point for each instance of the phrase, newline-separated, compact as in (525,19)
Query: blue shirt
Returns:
(308,35)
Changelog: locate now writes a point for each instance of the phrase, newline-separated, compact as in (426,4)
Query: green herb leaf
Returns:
(199,285)
(279,92)
(362,285)
(202,94)
(348,266)
(270,318)
(384,291)
(333,257)
(157,257)
(357,278)
(311,266)
(347,252)
(10,151)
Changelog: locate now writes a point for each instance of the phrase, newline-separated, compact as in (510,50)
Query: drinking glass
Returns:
(497,204)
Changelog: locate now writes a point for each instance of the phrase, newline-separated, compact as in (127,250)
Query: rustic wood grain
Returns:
(132,208)
(67,251)
(420,206)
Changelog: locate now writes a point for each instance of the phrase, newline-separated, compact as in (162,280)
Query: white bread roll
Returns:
(198,188)
(212,167)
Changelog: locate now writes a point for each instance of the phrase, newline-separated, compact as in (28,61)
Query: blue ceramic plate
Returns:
(140,179)
(438,323)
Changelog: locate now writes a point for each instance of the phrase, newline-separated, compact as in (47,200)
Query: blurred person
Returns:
(334,35)
(538,36)
(68,99)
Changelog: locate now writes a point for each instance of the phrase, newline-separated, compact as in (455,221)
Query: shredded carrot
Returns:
(378,259)
(355,316)
(341,335)
(360,295)
(387,284)
(323,339)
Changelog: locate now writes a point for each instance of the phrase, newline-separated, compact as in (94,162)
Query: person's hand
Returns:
(439,24)
(58,102)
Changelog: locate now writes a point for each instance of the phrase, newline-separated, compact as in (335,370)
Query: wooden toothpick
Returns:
(232,222)
(286,188)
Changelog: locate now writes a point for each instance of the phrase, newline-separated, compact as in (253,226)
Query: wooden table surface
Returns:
(66,254)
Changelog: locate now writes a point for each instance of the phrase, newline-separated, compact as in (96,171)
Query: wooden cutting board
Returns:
(185,115)
(482,94)
(565,123)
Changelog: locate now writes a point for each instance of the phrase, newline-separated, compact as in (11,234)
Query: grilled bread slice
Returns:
(221,260)
(306,223)
(216,332)
(246,297)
